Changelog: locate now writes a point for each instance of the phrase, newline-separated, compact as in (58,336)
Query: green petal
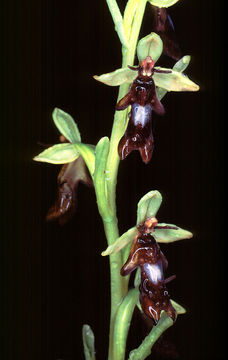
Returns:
(180,66)
(150,45)
(163,3)
(148,206)
(179,309)
(88,154)
(117,77)
(170,235)
(121,242)
(58,154)
(174,81)
(66,125)
(88,342)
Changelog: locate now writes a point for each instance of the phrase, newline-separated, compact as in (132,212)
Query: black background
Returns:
(54,277)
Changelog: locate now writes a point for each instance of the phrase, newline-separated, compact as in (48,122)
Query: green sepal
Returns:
(87,151)
(170,235)
(150,45)
(100,176)
(58,154)
(121,242)
(179,309)
(148,206)
(174,81)
(180,66)
(66,125)
(163,3)
(88,342)
(117,77)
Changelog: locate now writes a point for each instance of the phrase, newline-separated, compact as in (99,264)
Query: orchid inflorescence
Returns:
(142,88)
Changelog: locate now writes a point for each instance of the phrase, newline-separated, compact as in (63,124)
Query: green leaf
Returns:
(179,309)
(180,66)
(144,349)
(148,206)
(170,235)
(150,45)
(88,342)
(66,125)
(122,323)
(100,177)
(88,154)
(58,154)
(121,242)
(117,77)
(174,81)
(163,3)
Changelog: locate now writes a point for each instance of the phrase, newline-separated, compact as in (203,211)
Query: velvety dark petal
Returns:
(163,26)
(125,101)
(68,179)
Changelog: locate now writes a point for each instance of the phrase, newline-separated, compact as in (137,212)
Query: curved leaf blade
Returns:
(58,154)
(88,342)
(171,235)
(148,206)
(122,323)
(117,77)
(66,125)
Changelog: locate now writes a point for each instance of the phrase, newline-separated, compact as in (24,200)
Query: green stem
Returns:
(144,349)
(132,28)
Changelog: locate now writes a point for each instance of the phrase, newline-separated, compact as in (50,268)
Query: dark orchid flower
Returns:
(163,26)
(78,161)
(146,254)
(143,99)
(70,176)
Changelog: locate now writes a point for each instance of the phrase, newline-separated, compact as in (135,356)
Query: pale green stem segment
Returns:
(102,150)
(144,349)
(131,28)
(118,21)
(122,323)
